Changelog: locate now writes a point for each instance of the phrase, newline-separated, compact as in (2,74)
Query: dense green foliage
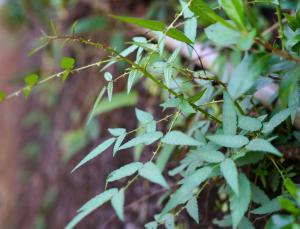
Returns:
(224,135)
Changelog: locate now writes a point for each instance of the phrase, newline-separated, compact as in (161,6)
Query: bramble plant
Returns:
(217,120)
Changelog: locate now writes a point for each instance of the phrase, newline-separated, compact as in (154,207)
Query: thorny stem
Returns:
(197,195)
(156,151)
(131,181)
(56,75)
(134,65)
(138,67)
(280,31)
(160,143)
(130,132)
(276,51)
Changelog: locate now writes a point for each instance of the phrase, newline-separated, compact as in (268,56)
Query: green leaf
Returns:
(186,107)
(222,35)
(90,206)
(293,21)
(177,169)
(2,96)
(92,112)
(288,85)
(229,115)
(172,58)
(124,53)
(178,35)
(294,43)
(147,139)
(117,202)
(174,102)
(184,193)
(201,9)
(245,42)
(133,75)
(249,123)
(98,200)
(116,132)
(148,24)
(95,152)
(249,158)
(65,75)
(169,221)
(232,141)
(178,138)
(282,221)
(31,80)
(110,88)
(290,187)
(258,196)
(164,156)
(124,171)
(235,11)
(151,126)
(267,208)
(192,209)
(107,76)
(92,23)
(246,74)
(197,177)
(245,224)
(151,225)
(118,143)
(239,204)
(67,63)
(119,100)
(143,117)
(212,156)
(77,219)
(276,120)
(198,96)
(263,145)
(168,73)
(230,173)
(294,102)
(152,173)
(190,23)
(288,205)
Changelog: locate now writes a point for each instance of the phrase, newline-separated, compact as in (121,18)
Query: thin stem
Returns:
(272,28)
(280,31)
(156,151)
(276,51)
(56,75)
(197,195)
(276,166)
(160,143)
(138,67)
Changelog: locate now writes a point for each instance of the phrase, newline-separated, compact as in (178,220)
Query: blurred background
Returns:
(44,136)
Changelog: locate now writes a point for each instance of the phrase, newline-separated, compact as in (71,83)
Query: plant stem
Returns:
(277,168)
(138,67)
(280,30)
(279,52)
